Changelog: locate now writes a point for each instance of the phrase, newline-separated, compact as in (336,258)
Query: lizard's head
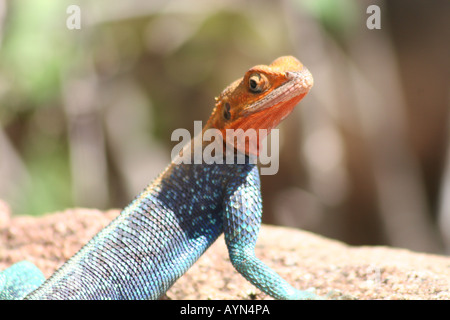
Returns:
(261,99)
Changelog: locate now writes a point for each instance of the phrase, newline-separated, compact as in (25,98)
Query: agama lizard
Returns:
(160,235)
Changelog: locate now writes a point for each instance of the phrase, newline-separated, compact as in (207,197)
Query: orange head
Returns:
(261,99)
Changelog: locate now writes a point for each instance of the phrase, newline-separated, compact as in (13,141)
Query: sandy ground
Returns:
(308,261)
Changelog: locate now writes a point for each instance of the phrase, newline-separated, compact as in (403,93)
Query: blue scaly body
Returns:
(158,237)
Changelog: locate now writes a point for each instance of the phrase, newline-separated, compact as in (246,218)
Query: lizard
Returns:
(166,228)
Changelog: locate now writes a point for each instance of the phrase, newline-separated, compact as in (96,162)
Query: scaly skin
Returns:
(157,238)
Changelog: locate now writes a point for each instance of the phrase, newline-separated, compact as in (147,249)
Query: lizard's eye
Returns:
(226,111)
(256,83)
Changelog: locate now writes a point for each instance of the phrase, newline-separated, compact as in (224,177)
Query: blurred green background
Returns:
(86,115)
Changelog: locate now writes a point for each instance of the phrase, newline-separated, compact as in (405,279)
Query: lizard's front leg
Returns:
(242,220)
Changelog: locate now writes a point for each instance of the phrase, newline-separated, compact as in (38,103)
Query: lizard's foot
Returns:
(19,280)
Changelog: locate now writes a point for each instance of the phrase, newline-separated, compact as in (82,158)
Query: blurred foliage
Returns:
(86,115)
(337,17)
(34,55)
(175,56)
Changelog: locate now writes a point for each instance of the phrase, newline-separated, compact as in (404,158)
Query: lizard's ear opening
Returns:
(226,111)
